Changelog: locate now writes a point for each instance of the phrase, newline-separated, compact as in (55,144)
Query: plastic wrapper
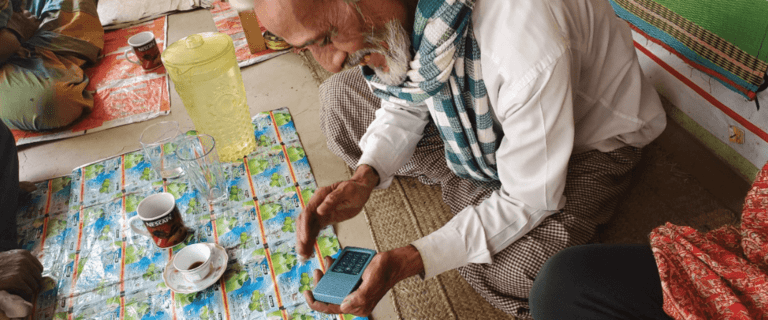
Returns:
(206,304)
(291,294)
(239,231)
(33,207)
(102,181)
(279,214)
(60,189)
(299,162)
(265,131)
(285,126)
(56,230)
(270,173)
(148,305)
(250,291)
(139,174)
(239,194)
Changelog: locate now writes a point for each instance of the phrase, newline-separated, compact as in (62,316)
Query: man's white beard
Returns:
(398,56)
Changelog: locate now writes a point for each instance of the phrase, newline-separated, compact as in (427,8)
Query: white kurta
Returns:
(562,78)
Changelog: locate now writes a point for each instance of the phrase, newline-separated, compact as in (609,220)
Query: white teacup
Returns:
(194,261)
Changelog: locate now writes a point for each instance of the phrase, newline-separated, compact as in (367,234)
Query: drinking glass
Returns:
(198,155)
(159,144)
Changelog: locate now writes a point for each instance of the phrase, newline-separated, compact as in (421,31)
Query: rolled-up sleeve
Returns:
(390,140)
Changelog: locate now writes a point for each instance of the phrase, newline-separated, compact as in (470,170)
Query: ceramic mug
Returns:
(145,48)
(162,220)
(194,261)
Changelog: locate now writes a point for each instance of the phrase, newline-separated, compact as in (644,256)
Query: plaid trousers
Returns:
(594,184)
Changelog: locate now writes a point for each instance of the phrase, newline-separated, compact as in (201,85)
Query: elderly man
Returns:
(529,114)
(45,44)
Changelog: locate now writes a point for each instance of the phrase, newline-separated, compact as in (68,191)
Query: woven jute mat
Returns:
(402,213)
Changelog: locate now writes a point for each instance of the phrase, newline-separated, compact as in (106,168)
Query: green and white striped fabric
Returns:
(725,39)
(445,75)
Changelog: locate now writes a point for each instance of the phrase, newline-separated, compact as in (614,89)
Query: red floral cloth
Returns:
(722,274)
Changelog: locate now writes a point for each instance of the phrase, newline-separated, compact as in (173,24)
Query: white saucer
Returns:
(176,281)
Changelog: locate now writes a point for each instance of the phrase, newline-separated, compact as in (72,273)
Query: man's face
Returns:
(344,33)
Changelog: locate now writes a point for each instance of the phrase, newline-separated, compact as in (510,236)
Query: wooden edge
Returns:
(252,31)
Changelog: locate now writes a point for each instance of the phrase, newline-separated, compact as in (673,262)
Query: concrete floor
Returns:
(275,83)
(285,81)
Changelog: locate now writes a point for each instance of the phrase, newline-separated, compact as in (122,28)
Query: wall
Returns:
(723,120)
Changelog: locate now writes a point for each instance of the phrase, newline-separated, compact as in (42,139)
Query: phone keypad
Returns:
(351,262)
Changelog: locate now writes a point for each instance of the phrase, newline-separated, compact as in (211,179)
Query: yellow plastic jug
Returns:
(204,69)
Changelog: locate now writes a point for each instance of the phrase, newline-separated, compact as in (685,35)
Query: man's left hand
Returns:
(20,273)
(385,270)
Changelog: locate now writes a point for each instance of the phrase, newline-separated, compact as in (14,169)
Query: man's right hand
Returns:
(338,202)
(20,273)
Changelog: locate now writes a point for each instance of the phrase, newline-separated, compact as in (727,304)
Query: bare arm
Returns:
(10,44)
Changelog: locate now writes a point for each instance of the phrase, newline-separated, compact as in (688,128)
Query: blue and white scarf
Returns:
(445,74)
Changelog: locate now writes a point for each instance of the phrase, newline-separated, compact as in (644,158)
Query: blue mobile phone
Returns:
(344,276)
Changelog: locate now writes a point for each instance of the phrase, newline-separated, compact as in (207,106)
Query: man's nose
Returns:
(331,58)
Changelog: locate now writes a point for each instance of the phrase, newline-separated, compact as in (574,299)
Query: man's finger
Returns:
(320,306)
(331,203)
(328,262)
(301,234)
(362,301)
(353,304)
(307,226)
(21,289)
(29,262)
(305,237)
(318,198)
(317,274)
(328,204)
(30,281)
(371,284)
(38,280)
(34,261)
(26,255)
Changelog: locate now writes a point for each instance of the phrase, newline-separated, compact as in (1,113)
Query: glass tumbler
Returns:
(201,163)
(159,144)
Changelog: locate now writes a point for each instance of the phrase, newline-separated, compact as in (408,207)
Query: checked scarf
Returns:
(445,75)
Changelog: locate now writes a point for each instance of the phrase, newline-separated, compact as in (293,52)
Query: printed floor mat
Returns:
(95,267)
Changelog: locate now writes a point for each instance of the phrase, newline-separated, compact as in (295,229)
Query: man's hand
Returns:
(24,24)
(385,270)
(338,202)
(20,273)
